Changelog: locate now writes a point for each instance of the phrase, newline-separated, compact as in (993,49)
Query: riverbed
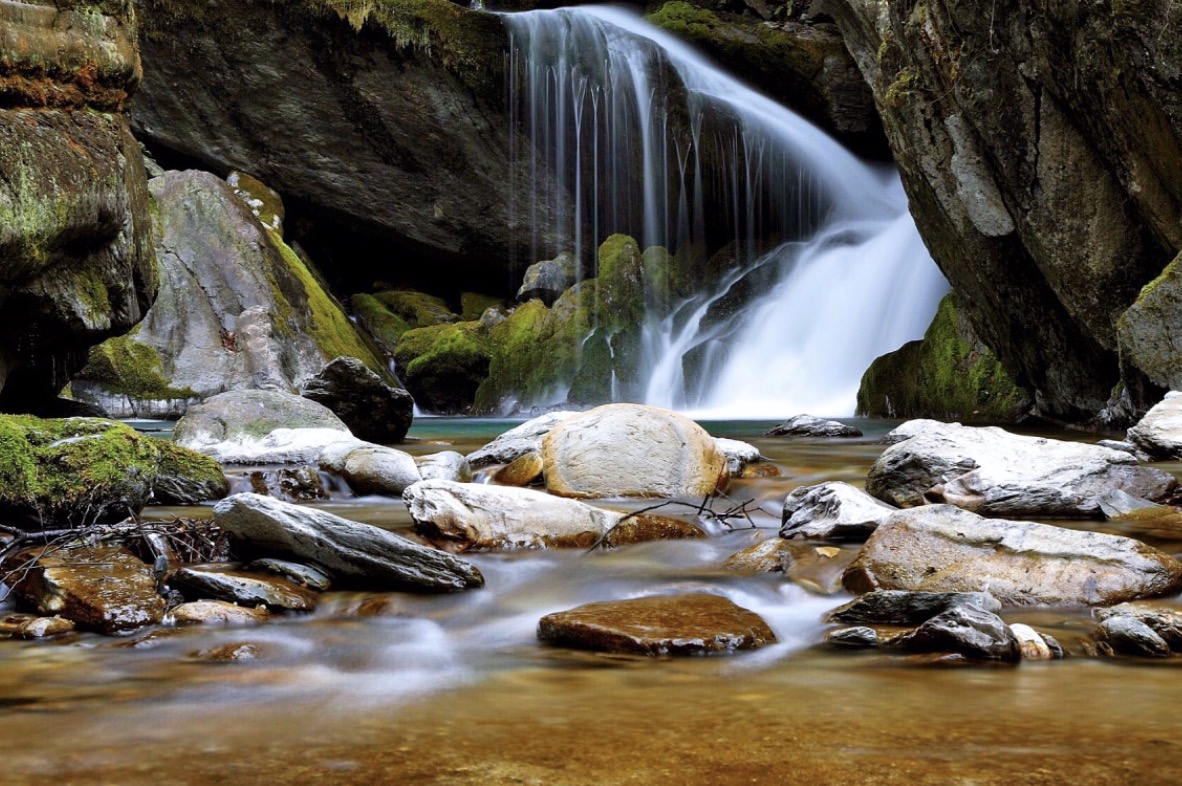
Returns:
(455,689)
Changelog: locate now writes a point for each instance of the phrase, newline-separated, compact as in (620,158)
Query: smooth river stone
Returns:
(696,624)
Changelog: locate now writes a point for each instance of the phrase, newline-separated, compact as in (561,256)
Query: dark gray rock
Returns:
(304,575)
(373,410)
(995,473)
(831,511)
(941,548)
(290,484)
(547,280)
(1164,621)
(896,607)
(860,638)
(1130,636)
(223,583)
(809,426)
(966,630)
(356,552)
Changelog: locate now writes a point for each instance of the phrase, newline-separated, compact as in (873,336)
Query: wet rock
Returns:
(648,527)
(44,628)
(1130,636)
(218,612)
(859,638)
(104,588)
(290,484)
(1159,432)
(1165,622)
(186,477)
(1033,645)
(548,279)
(630,450)
(517,441)
(373,410)
(696,624)
(227,653)
(740,456)
(942,548)
(303,575)
(966,630)
(831,511)
(380,470)
(810,426)
(1123,446)
(522,471)
(816,569)
(764,469)
(260,427)
(995,473)
(446,465)
(348,549)
(895,607)
(473,516)
(222,583)
(769,556)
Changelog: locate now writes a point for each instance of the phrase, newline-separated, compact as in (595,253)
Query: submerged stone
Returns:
(218,612)
(896,607)
(966,630)
(810,426)
(697,624)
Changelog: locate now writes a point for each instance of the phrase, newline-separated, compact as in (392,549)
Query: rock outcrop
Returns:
(77,264)
(1041,147)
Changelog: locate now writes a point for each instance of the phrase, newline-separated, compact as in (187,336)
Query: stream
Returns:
(454,689)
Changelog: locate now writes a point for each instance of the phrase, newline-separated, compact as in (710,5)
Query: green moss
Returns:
(74,471)
(383,326)
(418,309)
(684,19)
(124,366)
(621,302)
(443,365)
(947,375)
(474,304)
(196,469)
(902,87)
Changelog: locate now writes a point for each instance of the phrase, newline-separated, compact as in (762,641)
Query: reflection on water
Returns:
(454,689)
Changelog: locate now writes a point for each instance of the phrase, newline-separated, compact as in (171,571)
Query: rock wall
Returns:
(1040,142)
(76,257)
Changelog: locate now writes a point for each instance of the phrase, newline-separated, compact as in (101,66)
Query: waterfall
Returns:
(807,263)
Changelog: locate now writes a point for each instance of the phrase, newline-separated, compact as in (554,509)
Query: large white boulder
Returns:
(1159,433)
(630,450)
(995,473)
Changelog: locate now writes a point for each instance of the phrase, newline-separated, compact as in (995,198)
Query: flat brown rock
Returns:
(695,624)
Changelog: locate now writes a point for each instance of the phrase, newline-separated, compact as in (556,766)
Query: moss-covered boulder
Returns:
(1149,334)
(444,365)
(77,471)
(948,375)
(238,308)
(380,323)
(76,259)
(417,309)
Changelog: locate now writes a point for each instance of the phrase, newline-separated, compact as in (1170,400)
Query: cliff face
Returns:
(76,258)
(1040,142)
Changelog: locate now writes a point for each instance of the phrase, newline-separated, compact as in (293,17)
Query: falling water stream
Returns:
(627,129)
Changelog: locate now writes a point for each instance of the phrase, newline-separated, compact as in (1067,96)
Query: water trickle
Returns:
(626,129)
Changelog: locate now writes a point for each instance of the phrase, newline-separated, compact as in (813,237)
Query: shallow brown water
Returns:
(454,689)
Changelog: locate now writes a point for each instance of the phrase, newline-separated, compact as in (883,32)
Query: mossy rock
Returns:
(621,275)
(442,366)
(76,471)
(124,366)
(383,326)
(474,304)
(948,375)
(417,309)
(186,477)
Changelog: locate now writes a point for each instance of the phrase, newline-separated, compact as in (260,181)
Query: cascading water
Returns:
(628,130)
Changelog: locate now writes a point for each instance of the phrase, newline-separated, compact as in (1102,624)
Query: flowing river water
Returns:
(455,689)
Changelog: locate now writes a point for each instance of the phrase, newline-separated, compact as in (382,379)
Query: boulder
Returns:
(373,410)
(473,516)
(218,612)
(226,583)
(995,473)
(895,607)
(831,511)
(629,450)
(809,426)
(186,477)
(1130,636)
(444,365)
(521,471)
(739,455)
(695,624)
(102,588)
(349,550)
(238,308)
(446,465)
(1166,622)
(966,630)
(380,470)
(816,569)
(517,441)
(548,279)
(77,264)
(290,484)
(261,427)
(1159,432)
(941,548)
(303,575)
